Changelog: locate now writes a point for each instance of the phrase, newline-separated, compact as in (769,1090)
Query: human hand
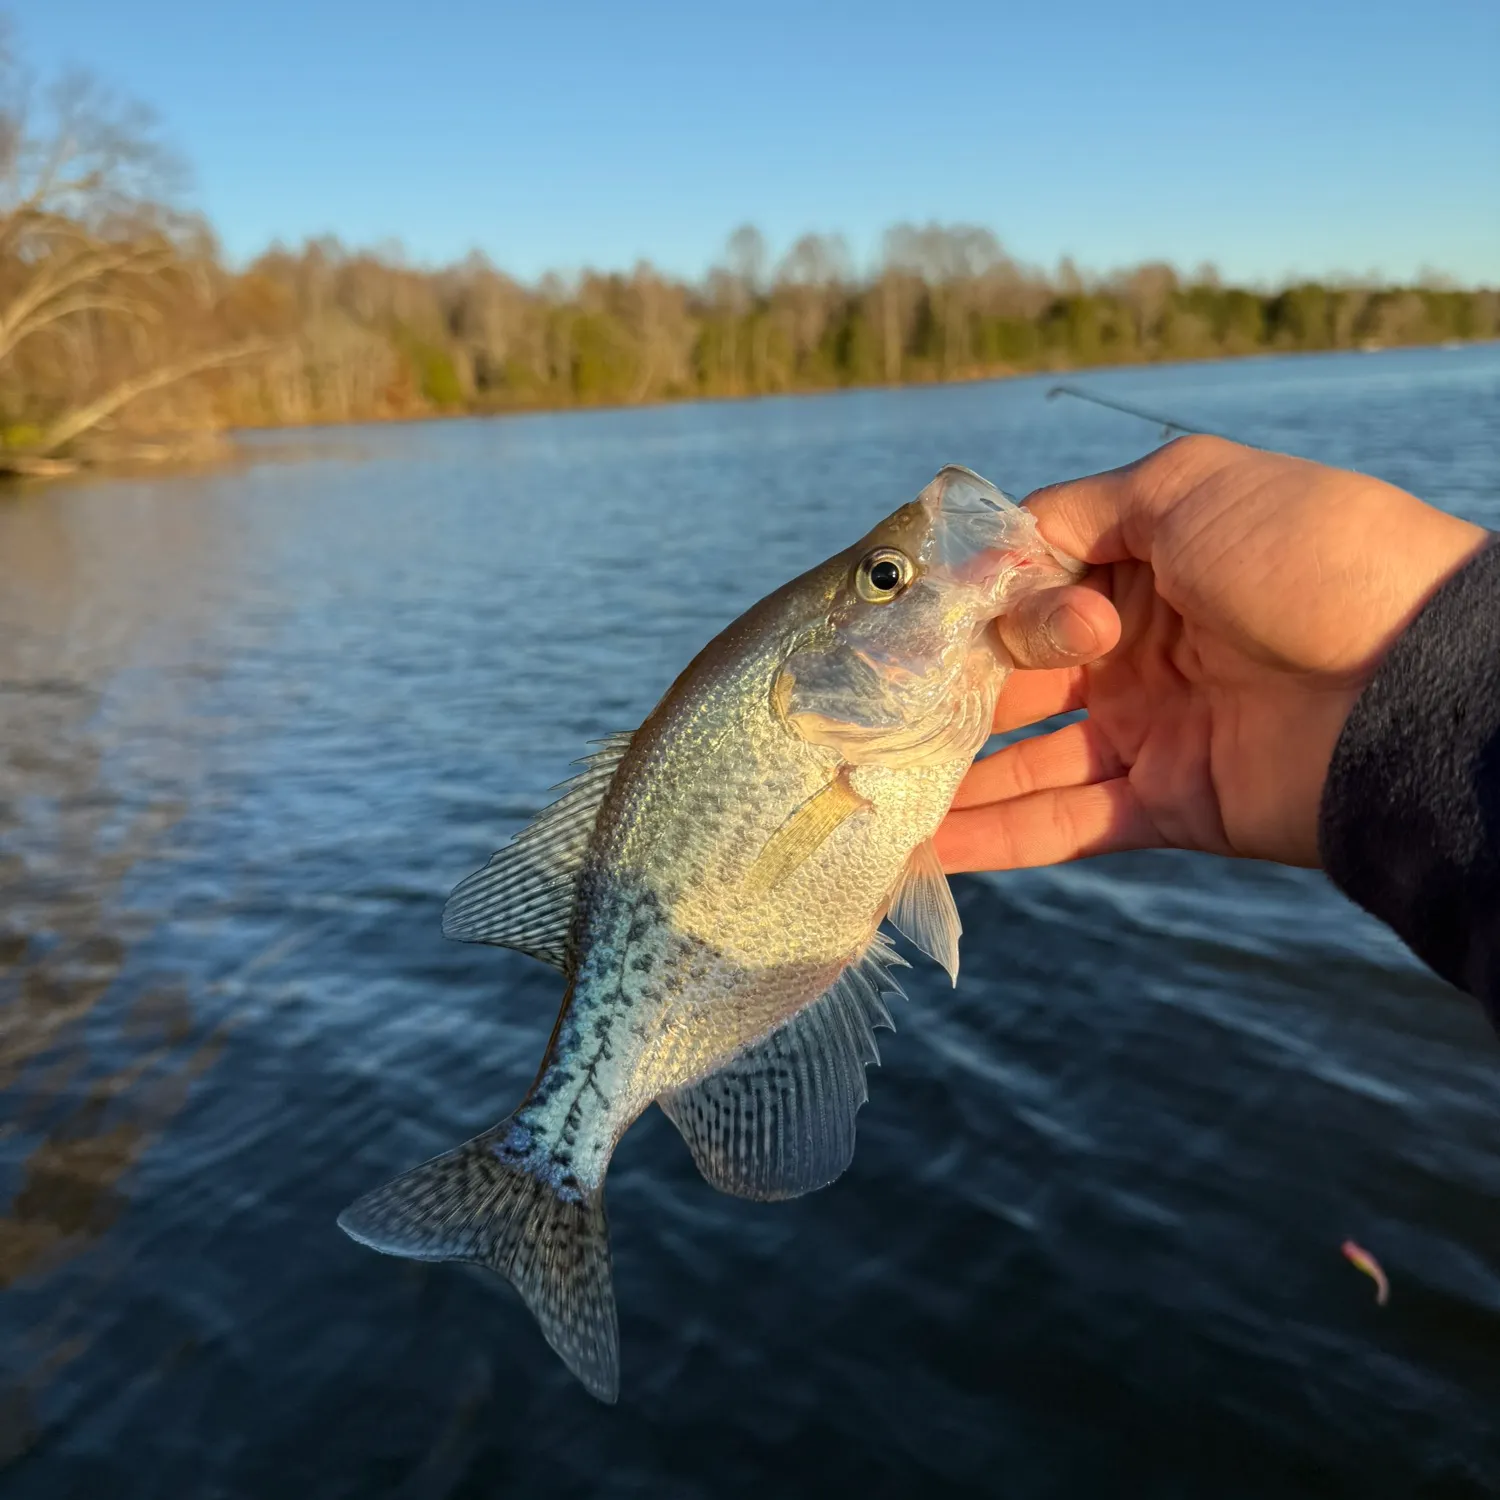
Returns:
(1240,601)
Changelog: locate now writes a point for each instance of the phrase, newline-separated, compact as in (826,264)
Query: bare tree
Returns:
(656,314)
(952,262)
(898,290)
(1148,291)
(747,258)
(809,283)
(733,288)
(88,239)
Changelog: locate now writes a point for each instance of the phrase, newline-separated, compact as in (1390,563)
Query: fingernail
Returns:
(1069,633)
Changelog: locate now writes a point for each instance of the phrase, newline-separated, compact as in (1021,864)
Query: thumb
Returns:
(1064,627)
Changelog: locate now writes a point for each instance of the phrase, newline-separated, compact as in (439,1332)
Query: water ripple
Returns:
(255,724)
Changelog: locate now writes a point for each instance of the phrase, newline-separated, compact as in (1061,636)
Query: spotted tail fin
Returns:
(495,1203)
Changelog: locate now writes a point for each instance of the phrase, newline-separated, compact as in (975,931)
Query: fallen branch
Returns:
(27,466)
(75,423)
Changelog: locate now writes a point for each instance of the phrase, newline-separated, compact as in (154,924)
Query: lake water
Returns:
(254,725)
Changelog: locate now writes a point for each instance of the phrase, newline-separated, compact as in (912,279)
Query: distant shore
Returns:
(228,446)
(979,377)
(209,448)
(214,447)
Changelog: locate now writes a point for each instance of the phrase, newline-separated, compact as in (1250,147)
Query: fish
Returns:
(1362,1260)
(713,887)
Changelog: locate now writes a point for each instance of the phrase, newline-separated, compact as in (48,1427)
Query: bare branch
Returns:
(75,423)
(46,297)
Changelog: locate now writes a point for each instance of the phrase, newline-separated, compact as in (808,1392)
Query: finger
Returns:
(1086,517)
(1046,828)
(1030,697)
(1059,628)
(1075,755)
(1109,517)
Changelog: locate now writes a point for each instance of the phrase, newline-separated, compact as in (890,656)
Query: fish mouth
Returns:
(981,539)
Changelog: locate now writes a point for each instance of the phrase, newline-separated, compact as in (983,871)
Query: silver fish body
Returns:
(712,887)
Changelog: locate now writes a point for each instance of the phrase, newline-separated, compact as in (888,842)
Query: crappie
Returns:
(712,887)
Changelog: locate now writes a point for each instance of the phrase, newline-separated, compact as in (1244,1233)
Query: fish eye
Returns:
(883,575)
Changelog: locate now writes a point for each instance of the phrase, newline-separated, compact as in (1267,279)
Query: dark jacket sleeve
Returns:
(1410,820)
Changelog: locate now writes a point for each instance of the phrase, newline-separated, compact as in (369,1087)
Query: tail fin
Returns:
(487,1203)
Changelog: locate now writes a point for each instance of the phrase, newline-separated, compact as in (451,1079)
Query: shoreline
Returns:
(213,448)
(995,376)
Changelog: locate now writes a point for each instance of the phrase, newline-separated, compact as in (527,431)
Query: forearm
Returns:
(1409,824)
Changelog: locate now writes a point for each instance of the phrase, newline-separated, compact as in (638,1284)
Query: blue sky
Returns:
(1271,139)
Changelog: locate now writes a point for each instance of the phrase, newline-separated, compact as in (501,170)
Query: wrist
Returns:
(1406,822)
(1440,547)
(1432,549)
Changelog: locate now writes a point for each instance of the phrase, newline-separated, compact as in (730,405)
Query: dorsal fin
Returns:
(523,898)
(778,1120)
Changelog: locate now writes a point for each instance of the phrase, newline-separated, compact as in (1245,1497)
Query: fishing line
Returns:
(1167,424)
(1356,1254)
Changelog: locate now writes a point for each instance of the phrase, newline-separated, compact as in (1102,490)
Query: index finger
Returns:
(1109,517)
(1086,517)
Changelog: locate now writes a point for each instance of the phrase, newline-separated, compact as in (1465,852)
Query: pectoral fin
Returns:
(804,833)
(922,909)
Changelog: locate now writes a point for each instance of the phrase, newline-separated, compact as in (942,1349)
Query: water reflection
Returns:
(97,1053)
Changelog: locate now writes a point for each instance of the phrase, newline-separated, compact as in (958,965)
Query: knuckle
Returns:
(1023,633)
(1188,457)
(1175,469)
(1200,450)
(1022,777)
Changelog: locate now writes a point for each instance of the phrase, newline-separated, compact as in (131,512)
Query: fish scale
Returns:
(712,887)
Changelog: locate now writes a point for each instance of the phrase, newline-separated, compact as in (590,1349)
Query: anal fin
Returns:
(778,1120)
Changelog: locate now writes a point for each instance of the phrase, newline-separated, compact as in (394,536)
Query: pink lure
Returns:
(1361,1258)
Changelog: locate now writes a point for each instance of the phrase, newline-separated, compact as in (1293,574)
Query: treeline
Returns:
(120,324)
(944,304)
